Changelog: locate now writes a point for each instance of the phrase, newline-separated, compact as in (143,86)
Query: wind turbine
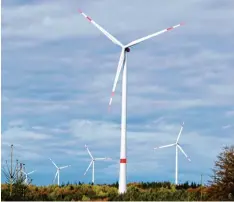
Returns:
(177,145)
(58,170)
(92,162)
(26,176)
(123,64)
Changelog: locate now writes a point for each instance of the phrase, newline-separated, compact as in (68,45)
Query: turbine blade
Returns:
(181,129)
(88,167)
(55,175)
(183,152)
(169,145)
(64,167)
(31,172)
(98,159)
(152,35)
(120,65)
(112,38)
(88,151)
(24,172)
(53,163)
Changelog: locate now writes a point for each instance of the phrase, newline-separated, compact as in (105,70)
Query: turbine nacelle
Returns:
(127,49)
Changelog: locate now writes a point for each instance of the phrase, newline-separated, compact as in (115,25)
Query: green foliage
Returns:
(173,188)
(19,191)
(85,198)
(86,192)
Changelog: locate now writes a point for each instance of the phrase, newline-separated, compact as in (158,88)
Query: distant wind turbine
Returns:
(26,176)
(176,157)
(58,170)
(92,162)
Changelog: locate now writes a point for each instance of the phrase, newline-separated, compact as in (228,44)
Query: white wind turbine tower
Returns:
(123,64)
(26,176)
(92,162)
(177,145)
(58,170)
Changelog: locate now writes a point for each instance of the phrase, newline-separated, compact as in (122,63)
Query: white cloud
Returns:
(56,20)
(98,132)
(230,113)
(226,127)
(22,134)
(16,123)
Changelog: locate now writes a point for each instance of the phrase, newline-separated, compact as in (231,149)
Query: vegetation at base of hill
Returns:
(221,187)
(85,192)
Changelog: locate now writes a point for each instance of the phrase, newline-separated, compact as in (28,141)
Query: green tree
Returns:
(85,198)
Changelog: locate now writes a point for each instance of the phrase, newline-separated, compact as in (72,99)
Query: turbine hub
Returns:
(127,49)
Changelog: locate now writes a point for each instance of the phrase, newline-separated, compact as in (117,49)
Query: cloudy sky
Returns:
(58,71)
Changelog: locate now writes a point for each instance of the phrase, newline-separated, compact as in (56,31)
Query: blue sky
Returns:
(58,71)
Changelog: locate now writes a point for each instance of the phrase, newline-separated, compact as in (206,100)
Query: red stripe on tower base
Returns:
(123,160)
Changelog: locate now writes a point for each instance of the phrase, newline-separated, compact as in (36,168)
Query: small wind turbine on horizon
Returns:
(92,162)
(26,176)
(177,145)
(58,170)
(122,65)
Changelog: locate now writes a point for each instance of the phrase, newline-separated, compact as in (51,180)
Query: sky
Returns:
(58,71)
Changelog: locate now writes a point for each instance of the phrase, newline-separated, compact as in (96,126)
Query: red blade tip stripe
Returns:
(123,160)
(112,94)
(89,18)
(170,28)
(80,11)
